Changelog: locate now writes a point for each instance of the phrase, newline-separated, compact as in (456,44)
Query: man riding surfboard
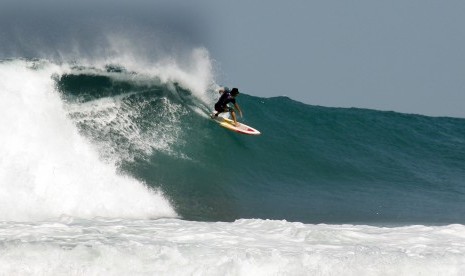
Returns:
(226,98)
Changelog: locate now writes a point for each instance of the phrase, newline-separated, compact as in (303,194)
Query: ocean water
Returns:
(114,168)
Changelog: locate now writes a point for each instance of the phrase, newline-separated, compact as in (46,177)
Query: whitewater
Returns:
(47,168)
(244,247)
(116,170)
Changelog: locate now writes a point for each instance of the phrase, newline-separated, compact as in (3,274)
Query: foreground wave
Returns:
(244,247)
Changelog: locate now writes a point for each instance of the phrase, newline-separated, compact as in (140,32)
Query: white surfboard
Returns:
(240,128)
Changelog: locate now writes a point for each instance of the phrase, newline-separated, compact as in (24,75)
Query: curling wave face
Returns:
(312,164)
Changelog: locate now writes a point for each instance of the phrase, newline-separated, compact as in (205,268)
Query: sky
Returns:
(406,56)
(400,55)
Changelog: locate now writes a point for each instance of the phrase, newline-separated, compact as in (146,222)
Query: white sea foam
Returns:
(47,169)
(245,247)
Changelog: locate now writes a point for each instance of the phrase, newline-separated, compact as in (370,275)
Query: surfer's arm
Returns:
(238,108)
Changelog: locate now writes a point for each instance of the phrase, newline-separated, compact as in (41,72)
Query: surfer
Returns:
(226,98)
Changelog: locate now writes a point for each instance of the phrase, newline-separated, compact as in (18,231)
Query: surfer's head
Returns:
(234,92)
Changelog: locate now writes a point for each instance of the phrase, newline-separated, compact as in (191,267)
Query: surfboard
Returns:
(240,128)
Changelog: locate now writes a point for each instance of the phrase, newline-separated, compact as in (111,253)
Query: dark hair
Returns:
(234,91)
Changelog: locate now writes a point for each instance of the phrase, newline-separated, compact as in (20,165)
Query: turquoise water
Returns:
(311,164)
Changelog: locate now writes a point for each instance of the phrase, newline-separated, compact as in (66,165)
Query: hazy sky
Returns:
(400,55)
(406,56)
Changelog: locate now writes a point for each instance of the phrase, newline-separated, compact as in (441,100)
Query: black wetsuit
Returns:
(222,104)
